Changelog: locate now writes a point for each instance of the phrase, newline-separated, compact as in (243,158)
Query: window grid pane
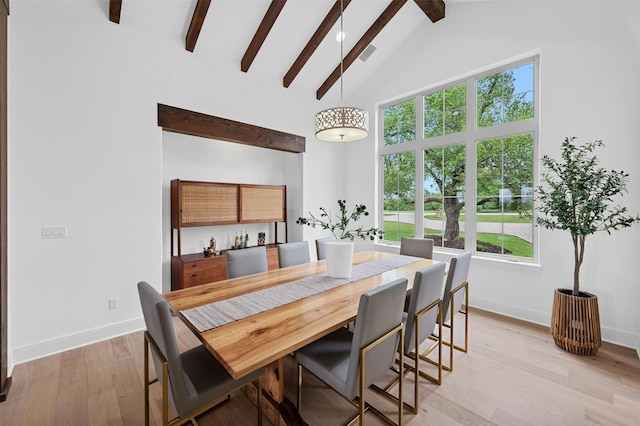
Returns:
(445,111)
(444,192)
(399,123)
(505,97)
(504,220)
(399,196)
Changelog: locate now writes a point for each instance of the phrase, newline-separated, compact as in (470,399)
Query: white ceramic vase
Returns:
(339,258)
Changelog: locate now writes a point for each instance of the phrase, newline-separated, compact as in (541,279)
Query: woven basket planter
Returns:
(575,322)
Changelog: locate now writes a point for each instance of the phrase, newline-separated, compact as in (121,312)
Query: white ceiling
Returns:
(231,24)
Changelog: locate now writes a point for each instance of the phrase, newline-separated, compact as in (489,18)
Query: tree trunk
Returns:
(452,212)
(452,230)
(578,251)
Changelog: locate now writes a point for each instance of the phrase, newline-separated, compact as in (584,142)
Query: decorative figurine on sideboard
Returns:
(261,236)
(211,250)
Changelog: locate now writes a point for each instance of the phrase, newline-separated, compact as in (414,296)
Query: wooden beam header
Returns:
(362,44)
(261,34)
(199,13)
(314,41)
(114,10)
(192,123)
(433,8)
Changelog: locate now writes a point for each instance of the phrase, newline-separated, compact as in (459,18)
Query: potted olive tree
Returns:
(340,252)
(577,196)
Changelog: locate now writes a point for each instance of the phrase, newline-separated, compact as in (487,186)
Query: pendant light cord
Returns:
(341,52)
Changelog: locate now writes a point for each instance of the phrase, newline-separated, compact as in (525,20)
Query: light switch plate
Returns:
(54,231)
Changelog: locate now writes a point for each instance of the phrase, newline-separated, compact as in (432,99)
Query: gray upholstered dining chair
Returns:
(424,314)
(455,299)
(320,249)
(290,254)
(418,247)
(350,362)
(246,261)
(193,381)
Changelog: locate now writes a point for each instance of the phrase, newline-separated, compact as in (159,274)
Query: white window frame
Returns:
(470,136)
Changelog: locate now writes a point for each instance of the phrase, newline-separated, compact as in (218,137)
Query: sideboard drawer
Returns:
(195,269)
(204,272)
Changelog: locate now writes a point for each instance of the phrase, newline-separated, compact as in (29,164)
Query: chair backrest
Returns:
(418,247)
(290,254)
(458,273)
(427,288)
(246,261)
(157,318)
(379,311)
(320,248)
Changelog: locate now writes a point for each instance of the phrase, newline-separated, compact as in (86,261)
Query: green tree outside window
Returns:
(504,164)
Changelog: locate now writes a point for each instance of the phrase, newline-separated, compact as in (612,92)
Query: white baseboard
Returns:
(518,312)
(72,341)
(610,335)
(621,338)
(87,337)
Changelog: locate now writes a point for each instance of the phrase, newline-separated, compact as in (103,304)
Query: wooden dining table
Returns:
(263,339)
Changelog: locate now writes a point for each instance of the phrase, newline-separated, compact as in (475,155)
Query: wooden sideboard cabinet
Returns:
(194,269)
(195,204)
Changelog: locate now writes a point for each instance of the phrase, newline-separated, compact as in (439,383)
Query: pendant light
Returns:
(342,124)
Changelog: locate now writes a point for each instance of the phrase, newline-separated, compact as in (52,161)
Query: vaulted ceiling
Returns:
(294,39)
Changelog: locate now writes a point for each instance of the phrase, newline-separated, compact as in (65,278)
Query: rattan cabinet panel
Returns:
(262,203)
(203,203)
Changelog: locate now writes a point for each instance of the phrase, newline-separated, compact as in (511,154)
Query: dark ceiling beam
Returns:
(362,44)
(178,120)
(314,42)
(433,8)
(261,34)
(199,13)
(114,10)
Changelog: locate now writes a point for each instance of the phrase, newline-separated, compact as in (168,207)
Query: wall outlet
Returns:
(113,303)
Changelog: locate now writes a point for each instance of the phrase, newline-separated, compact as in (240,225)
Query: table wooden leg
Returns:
(275,406)
(273,380)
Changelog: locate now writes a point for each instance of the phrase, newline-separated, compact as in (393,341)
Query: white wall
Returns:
(85,151)
(590,63)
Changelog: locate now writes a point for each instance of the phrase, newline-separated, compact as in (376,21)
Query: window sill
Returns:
(446,255)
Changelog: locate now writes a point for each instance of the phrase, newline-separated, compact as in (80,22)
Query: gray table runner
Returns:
(215,314)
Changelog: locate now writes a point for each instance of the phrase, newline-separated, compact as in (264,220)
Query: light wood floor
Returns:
(513,374)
